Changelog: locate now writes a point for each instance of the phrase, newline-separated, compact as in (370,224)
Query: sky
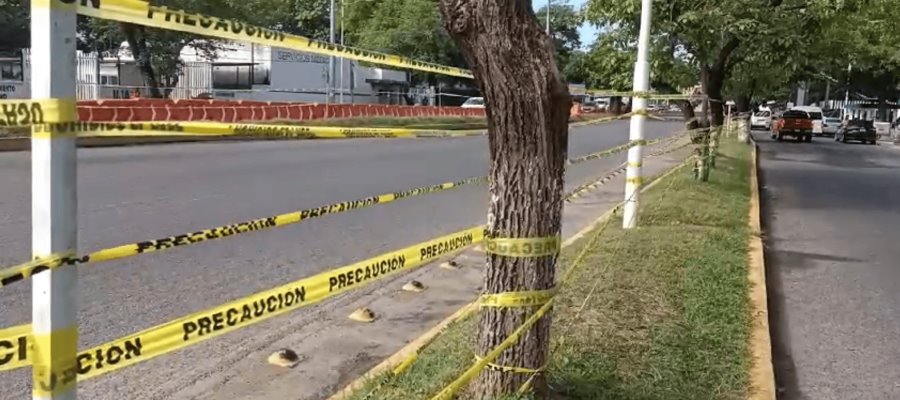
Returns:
(588,32)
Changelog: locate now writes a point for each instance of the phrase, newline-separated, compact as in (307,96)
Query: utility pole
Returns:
(331,61)
(548,17)
(342,58)
(54,205)
(638,119)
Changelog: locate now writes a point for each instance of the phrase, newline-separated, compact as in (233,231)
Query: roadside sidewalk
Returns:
(334,350)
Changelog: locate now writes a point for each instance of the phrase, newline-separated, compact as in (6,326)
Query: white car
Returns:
(474,102)
(832,122)
(761,120)
(817,116)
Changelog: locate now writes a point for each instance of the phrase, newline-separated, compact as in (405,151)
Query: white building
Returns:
(239,71)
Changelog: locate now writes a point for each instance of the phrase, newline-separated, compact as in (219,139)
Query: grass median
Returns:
(657,312)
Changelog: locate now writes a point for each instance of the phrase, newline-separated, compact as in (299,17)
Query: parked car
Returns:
(817,117)
(761,120)
(794,123)
(832,121)
(474,102)
(857,129)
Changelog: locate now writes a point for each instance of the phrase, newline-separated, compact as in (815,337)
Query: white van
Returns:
(815,114)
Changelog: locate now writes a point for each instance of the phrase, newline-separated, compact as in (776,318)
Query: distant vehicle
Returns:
(816,115)
(857,129)
(761,120)
(832,122)
(794,123)
(474,102)
(589,107)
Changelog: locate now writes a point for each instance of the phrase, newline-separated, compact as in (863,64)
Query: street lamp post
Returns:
(548,17)
(638,119)
(331,63)
(342,58)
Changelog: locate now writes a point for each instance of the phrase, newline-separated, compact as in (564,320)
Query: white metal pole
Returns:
(53,206)
(342,58)
(331,61)
(548,17)
(638,119)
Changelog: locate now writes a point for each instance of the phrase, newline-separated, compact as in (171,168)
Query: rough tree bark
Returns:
(514,64)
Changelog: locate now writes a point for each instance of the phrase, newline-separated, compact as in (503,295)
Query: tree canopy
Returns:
(756,47)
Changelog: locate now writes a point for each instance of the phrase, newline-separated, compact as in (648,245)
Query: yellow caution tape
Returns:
(529,298)
(505,368)
(54,374)
(200,326)
(645,95)
(523,247)
(451,389)
(138,129)
(20,113)
(145,14)
(15,345)
(21,272)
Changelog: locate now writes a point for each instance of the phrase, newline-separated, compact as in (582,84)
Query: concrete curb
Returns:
(418,343)
(762,374)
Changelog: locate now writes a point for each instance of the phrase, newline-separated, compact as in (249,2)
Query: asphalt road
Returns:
(137,193)
(831,218)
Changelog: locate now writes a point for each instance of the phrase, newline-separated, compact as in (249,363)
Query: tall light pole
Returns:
(331,63)
(638,119)
(342,58)
(548,17)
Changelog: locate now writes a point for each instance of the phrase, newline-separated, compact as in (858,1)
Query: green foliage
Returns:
(14,22)
(564,23)
(412,28)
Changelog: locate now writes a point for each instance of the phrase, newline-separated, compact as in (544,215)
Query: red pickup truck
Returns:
(794,123)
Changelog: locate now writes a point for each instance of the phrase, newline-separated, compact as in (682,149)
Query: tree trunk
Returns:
(514,64)
(712,80)
(615,105)
(137,42)
(687,111)
(742,103)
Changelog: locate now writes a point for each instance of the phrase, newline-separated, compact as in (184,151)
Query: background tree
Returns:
(715,34)
(564,23)
(15,21)
(514,65)
(412,28)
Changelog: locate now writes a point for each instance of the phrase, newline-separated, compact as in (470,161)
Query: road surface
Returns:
(832,221)
(137,193)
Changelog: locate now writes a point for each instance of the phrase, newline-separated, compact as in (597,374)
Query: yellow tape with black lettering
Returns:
(645,95)
(24,271)
(523,247)
(145,14)
(15,347)
(200,326)
(528,298)
(54,374)
(167,129)
(505,368)
(21,113)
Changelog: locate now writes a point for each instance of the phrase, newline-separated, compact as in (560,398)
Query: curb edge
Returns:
(762,374)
